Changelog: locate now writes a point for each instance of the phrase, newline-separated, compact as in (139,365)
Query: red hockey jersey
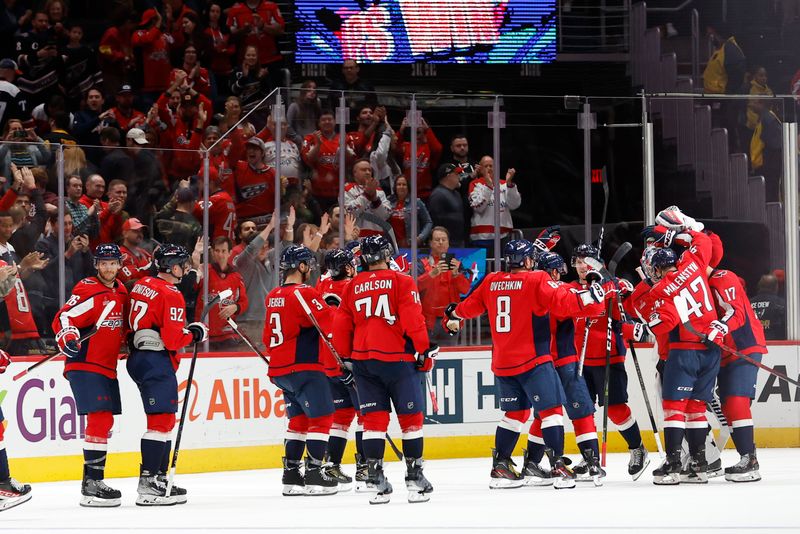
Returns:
(157,304)
(733,308)
(598,332)
(218,328)
(292,341)
(518,305)
(328,286)
(380,318)
(99,353)
(255,192)
(134,265)
(325,177)
(155,57)
(18,306)
(221,215)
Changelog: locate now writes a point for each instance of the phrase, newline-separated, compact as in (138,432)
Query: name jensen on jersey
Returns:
(277,302)
(372,285)
(682,277)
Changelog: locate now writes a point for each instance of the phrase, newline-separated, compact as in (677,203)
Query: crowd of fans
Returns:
(134,114)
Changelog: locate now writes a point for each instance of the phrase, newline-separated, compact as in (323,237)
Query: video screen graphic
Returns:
(433,31)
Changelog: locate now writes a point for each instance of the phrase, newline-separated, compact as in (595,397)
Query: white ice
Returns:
(461,502)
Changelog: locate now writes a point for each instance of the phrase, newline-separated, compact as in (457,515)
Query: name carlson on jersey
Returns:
(372,285)
(681,277)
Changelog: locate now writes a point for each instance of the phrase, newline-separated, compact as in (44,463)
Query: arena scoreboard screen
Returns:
(432,31)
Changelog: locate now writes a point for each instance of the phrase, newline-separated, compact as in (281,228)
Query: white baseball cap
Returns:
(137,134)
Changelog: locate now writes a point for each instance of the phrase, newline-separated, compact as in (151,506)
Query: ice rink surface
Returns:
(250,501)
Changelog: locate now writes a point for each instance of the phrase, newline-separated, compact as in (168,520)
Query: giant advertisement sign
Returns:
(433,31)
(235,405)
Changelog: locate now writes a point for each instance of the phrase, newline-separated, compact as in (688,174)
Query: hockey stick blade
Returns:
(219,297)
(103,315)
(617,257)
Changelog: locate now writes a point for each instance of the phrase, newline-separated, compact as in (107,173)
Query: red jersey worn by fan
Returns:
(427,158)
(518,305)
(380,318)
(110,223)
(255,192)
(439,291)
(221,214)
(241,15)
(155,57)
(135,264)
(99,353)
(733,308)
(157,304)
(291,340)
(325,177)
(218,328)
(18,307)
(684,295)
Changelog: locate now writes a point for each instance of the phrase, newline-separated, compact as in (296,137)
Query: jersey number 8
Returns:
(502,322)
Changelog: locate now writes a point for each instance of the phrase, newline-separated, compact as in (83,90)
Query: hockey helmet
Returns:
(168,255)
(517,250)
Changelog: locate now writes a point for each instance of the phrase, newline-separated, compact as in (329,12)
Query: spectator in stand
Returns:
(250,82)
(766,149)
(321,153)
(136,260)
(232,115)
(191,35)
(10,95)
(400,218)
(91,119)
(725,70)
(154,45)
(109,213)
(446,203)
(57,12)
(429,149)
(197,76)
(84,219)
(221,276)
(359,93)
(116,52)
(118,191)
(49,198)
(441,281)
(221,209)
(13,17)
(75,163)
(220,159)
(81,68)
(176,223)
(382,145)
(221,48)
(41,65)
(59,131)
(77,262)
(184,139)
(176,12)
(770,308)
(146,188)
(363,139)
(43,113)
(255,184)
(255,265)
(459,157)
(758,88)
(481,200)
(124,114)
(291,162)
(23,148)
(258,23)
(245,232)
(116,164)
(29,202)
(366,201)
(303,114)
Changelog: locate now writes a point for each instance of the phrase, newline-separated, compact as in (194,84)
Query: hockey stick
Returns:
(247,340)
(724,428)
(605,211)
(225,293)
(103,314)
(704,338)
(339,360)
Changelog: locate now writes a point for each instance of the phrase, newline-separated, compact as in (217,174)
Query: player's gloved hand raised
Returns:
(625,288)
(548,238)
(5,361)
(425,359)
(198,330)
(68,340)
(596,292)
(451,322)
(640,332)
(672,218)
(716,331)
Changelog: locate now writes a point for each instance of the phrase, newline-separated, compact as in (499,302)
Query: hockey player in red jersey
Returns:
(593,348)
(12,492)
(221,276)
(737,378)
(380,326)
(339,270)
(158,324)
(579,404)
(300,365)
(91,366)
(518,304)
(681,294)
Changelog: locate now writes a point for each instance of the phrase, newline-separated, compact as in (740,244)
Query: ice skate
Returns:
(533,473)
(744,471)
(418,486)
(96,494)
(592,471)
(376,477)
(293,481)
(563,477)
(152,491)
(13,493)
(177,493)
(638,462)
(362,475)
(697,470)
(317,481)
(669,474)
(504,475)
(335,472)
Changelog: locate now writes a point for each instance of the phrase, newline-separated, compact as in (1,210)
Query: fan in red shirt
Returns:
(321,152)
(136,261)
(110,214)
(300,365)
(124,113)
(221,208)
(184,138)
(222,49)
(222,276)
(20,319)
(155,47)
(255,184)
(429,149)
(518,304)
(220,159)
(116,53)
(257,23)
(91,366)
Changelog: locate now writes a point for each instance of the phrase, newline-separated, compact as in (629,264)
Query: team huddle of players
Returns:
(356,346)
